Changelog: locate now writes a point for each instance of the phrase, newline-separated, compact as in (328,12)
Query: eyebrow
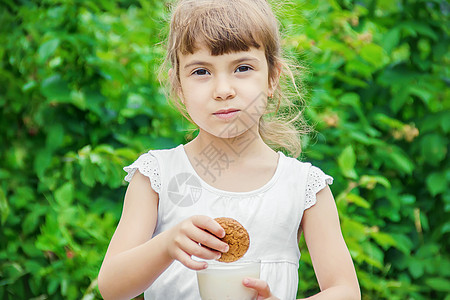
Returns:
(236,61)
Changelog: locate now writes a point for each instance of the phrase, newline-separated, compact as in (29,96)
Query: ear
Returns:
(274,80)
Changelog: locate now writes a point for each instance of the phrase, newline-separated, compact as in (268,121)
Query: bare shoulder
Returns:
(140,184)
(323,210)
(320,222)
(140,198)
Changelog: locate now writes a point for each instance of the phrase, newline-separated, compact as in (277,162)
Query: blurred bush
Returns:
(79,100)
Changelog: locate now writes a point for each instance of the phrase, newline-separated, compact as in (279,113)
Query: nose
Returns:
(223,88)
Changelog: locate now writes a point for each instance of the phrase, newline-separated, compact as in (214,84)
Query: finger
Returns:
(192,247)
(259,285)
(197,234)
(187,261)
(208,240)
(209,224)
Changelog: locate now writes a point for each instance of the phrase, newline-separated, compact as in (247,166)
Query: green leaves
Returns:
(375,55)
(47,49)
(55,89)
(80,100)
(400,160)
(64,195)
(4,207)
(439,284)
(434,147)
(42,161)
(347,161)
(438,182)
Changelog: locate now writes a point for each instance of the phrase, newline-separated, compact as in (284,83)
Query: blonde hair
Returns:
(232,26)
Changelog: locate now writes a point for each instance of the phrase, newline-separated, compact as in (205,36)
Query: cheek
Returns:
(256,94)
(187,96)
(258,84)
(194,108)
(190,98)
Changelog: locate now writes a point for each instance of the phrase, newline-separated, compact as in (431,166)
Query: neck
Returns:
(239,149)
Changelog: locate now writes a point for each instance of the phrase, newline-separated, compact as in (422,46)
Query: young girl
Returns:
(225,71)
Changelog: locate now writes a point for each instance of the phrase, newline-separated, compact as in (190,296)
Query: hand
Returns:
(261,287)
(196,236)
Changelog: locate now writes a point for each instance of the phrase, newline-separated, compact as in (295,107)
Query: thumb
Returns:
(260,286)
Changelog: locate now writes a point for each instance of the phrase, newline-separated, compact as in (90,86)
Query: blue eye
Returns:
(241,69)
(200,72)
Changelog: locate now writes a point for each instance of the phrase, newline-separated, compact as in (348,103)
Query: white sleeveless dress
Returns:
(271,214)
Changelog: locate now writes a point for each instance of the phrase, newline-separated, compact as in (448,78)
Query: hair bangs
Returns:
(220,30)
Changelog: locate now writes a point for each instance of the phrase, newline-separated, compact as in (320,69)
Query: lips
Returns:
(226,111)
(226,114)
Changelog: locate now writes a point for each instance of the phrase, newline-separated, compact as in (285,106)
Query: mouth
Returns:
(226,113)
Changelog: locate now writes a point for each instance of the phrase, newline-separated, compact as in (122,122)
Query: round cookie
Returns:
(236,237)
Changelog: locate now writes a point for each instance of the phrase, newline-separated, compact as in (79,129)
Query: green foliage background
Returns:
(79,100)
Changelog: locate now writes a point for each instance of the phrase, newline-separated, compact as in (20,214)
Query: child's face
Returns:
(236,82)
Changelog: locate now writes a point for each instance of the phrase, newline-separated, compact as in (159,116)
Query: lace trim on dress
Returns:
(147,166)
(316,181)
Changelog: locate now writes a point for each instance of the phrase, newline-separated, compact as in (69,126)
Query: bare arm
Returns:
(134,260)
(331,259)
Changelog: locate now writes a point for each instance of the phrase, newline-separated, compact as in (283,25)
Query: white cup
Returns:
(223,281)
